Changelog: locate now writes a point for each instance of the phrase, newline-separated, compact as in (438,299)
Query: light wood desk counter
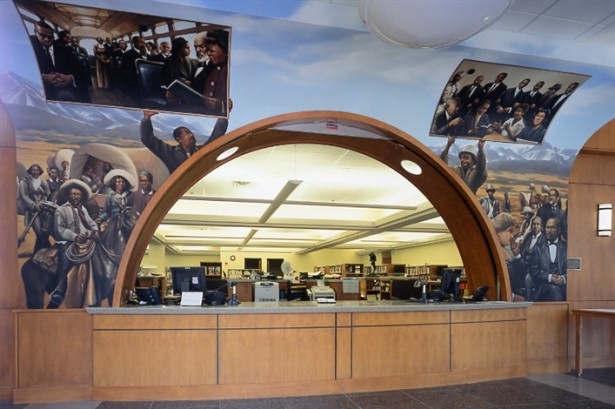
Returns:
(266,349)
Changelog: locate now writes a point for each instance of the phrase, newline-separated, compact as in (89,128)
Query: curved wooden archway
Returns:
(455,202)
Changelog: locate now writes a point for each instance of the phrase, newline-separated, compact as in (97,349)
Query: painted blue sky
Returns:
(281,65)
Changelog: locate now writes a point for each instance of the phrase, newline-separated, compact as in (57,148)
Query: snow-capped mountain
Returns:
(28,109)
(518,158)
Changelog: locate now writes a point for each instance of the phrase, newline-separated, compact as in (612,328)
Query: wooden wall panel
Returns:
(400,350)
(489,346)
(54,348)
(547,338)
(150,322)
(276,355)
(591,182)
(596,278)
(7,354)
(400,318)
(343,346)
(242,321)
(154,357)
(512,314)
(10,282)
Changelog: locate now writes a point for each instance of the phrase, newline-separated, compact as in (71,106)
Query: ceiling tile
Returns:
(591,11)
(513,21)
(556,27)
(531,6)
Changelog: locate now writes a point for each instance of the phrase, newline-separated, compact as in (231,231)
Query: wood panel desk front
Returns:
(578,346)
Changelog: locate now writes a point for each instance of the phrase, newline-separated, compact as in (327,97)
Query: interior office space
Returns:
(342,69)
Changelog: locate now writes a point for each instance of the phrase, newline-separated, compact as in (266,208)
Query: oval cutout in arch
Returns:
(411,167)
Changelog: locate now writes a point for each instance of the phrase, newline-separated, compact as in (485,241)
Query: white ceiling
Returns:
(585,21)
(300,198)
(572,30)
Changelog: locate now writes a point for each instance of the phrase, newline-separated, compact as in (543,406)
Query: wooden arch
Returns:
(455,202)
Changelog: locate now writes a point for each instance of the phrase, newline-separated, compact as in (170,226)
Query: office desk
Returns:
(578,346)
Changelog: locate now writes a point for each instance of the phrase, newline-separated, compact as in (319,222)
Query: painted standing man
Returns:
(144,193)
(549,265)
(472,165)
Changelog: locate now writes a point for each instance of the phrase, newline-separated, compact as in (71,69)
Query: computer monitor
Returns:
(188,279)
(480,293)
(450,282)
(217,291)
(399,269)
(149,295)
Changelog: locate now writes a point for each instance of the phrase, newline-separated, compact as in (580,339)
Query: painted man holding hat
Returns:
(472,163)
(72,224)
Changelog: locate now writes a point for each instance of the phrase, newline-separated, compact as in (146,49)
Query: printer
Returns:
(266,291)
(320,291)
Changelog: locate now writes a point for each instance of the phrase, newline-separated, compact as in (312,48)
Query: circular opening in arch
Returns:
(411,167)
(227,153)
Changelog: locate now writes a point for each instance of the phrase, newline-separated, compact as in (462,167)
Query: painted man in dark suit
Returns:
(448,121)
(494,90)
(548,268)
(129,70)
(557,102)
(511,98)
(532,98)
(59,68)
(471,95)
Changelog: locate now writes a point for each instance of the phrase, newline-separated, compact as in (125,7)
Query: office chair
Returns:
(149,77)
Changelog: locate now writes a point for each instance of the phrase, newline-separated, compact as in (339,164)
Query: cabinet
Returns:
(380,286)
(242,273)
(212,268)
(391,269)
(352,269)
(430,271)
(343,270)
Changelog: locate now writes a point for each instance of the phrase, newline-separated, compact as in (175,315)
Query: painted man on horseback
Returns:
(74,231)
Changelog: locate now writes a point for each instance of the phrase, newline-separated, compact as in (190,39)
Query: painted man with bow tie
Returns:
(549,265)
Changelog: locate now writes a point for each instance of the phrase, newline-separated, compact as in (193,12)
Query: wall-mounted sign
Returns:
(574,263)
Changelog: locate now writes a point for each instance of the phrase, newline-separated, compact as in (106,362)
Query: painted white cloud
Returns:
(329,14)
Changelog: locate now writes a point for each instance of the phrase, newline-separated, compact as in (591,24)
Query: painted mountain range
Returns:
(28,109)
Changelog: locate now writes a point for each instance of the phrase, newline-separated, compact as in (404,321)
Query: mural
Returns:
(72,152)
(535,248)
(137,60)
(503,103)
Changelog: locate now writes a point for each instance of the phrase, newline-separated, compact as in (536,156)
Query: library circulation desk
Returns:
(264,349)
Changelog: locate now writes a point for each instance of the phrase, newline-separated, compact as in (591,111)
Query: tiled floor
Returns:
(555,391)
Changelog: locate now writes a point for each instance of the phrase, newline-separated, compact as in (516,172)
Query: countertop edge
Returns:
(306,307)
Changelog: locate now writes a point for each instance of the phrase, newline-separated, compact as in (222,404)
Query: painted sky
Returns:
(280,66)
